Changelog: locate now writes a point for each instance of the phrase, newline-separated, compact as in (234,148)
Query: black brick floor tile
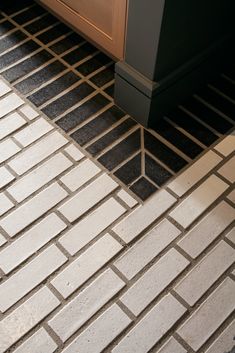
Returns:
(52,89)
(11,40)
(93,64)
(225,86)
(110,90)
(178,139)
(10,7)
(40,24)
(79,54)
(38,78)
(155,171)
(207,115)
(98,125)
(103,77)
(26,66)
(192,126)
(83,112)
(130,171)
(163,153)
(66,43)
(143,188)
(66,101)
(18,53)
(219,102)
(29,14)
(121,151)
(5,27)
(106,140)
(53,33)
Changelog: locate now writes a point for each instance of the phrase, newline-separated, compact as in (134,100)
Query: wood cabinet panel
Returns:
(98,12)
(103,21)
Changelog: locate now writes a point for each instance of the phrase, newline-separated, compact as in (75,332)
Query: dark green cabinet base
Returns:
(150,84)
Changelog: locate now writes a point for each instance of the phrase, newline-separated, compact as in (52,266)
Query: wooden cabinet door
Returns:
(103,21)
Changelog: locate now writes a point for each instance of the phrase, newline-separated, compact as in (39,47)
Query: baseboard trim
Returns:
(147,101)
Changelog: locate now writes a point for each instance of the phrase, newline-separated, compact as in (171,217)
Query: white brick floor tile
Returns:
(88,197)
(231,235)
(101,332)
(10,124)
(225,342)
(143,216)
(25,317)
(198,201)
(5,204)
(37,153)
(86,304)
(8,149)
(140,254)
(92,225)
(227,145)
(154,281)
(80,175)
(152,327)
(171,346)
(2,240)
(193,174)
(206,272)
(74,152)
(4,88)
(31,210)
(209,316)
(39,342)
(231,196)
(39,176)
(228,170)
(80,270)
(33,132)
(9,103)
(5,177)
(128,199)
(210,227)
(29,112)
(30,242)
(31,275)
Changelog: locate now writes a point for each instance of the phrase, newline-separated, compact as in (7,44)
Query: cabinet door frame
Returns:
(114,45)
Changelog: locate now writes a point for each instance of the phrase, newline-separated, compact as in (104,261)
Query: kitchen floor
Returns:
(72,83)
(85,265)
